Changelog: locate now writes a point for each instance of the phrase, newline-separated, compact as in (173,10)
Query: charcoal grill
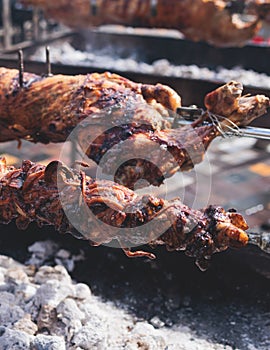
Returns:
(148,48)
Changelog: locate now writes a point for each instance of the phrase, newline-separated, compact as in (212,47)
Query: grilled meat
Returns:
(207,20)
(121,125)
(154,155)
(46,109)
(103,211)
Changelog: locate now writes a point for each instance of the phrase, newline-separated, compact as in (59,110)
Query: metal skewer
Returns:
(94,7)
(48,62)
(257,133)
(261,240)
(153,6)
(187,115)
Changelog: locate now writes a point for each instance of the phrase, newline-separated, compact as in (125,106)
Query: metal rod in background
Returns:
(35,20)
(7,24)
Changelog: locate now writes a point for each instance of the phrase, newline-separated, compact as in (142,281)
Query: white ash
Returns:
(66,54)
(44,309)
(47,251)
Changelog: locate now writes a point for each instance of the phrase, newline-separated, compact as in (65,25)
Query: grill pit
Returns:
(227,307)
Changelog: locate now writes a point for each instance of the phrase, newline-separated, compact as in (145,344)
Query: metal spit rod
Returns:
(187,115)
(258,133)
(261,240)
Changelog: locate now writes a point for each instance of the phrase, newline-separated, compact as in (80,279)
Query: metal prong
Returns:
(94,9)
(153,5)
(261,240)
(48,62)
(21,68)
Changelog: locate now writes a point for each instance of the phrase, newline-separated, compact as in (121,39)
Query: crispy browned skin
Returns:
(48,108)
(207,20)
(122,120)
(32,193)
(151,156)
(171,150)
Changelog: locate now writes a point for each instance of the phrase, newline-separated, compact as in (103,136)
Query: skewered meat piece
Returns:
(119,122)
(171,150)
(46,109)
(105,211)
(207,20)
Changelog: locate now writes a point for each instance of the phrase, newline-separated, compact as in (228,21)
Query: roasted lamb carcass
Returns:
(119,122)
(103,211)
(46,109)
(207,20)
